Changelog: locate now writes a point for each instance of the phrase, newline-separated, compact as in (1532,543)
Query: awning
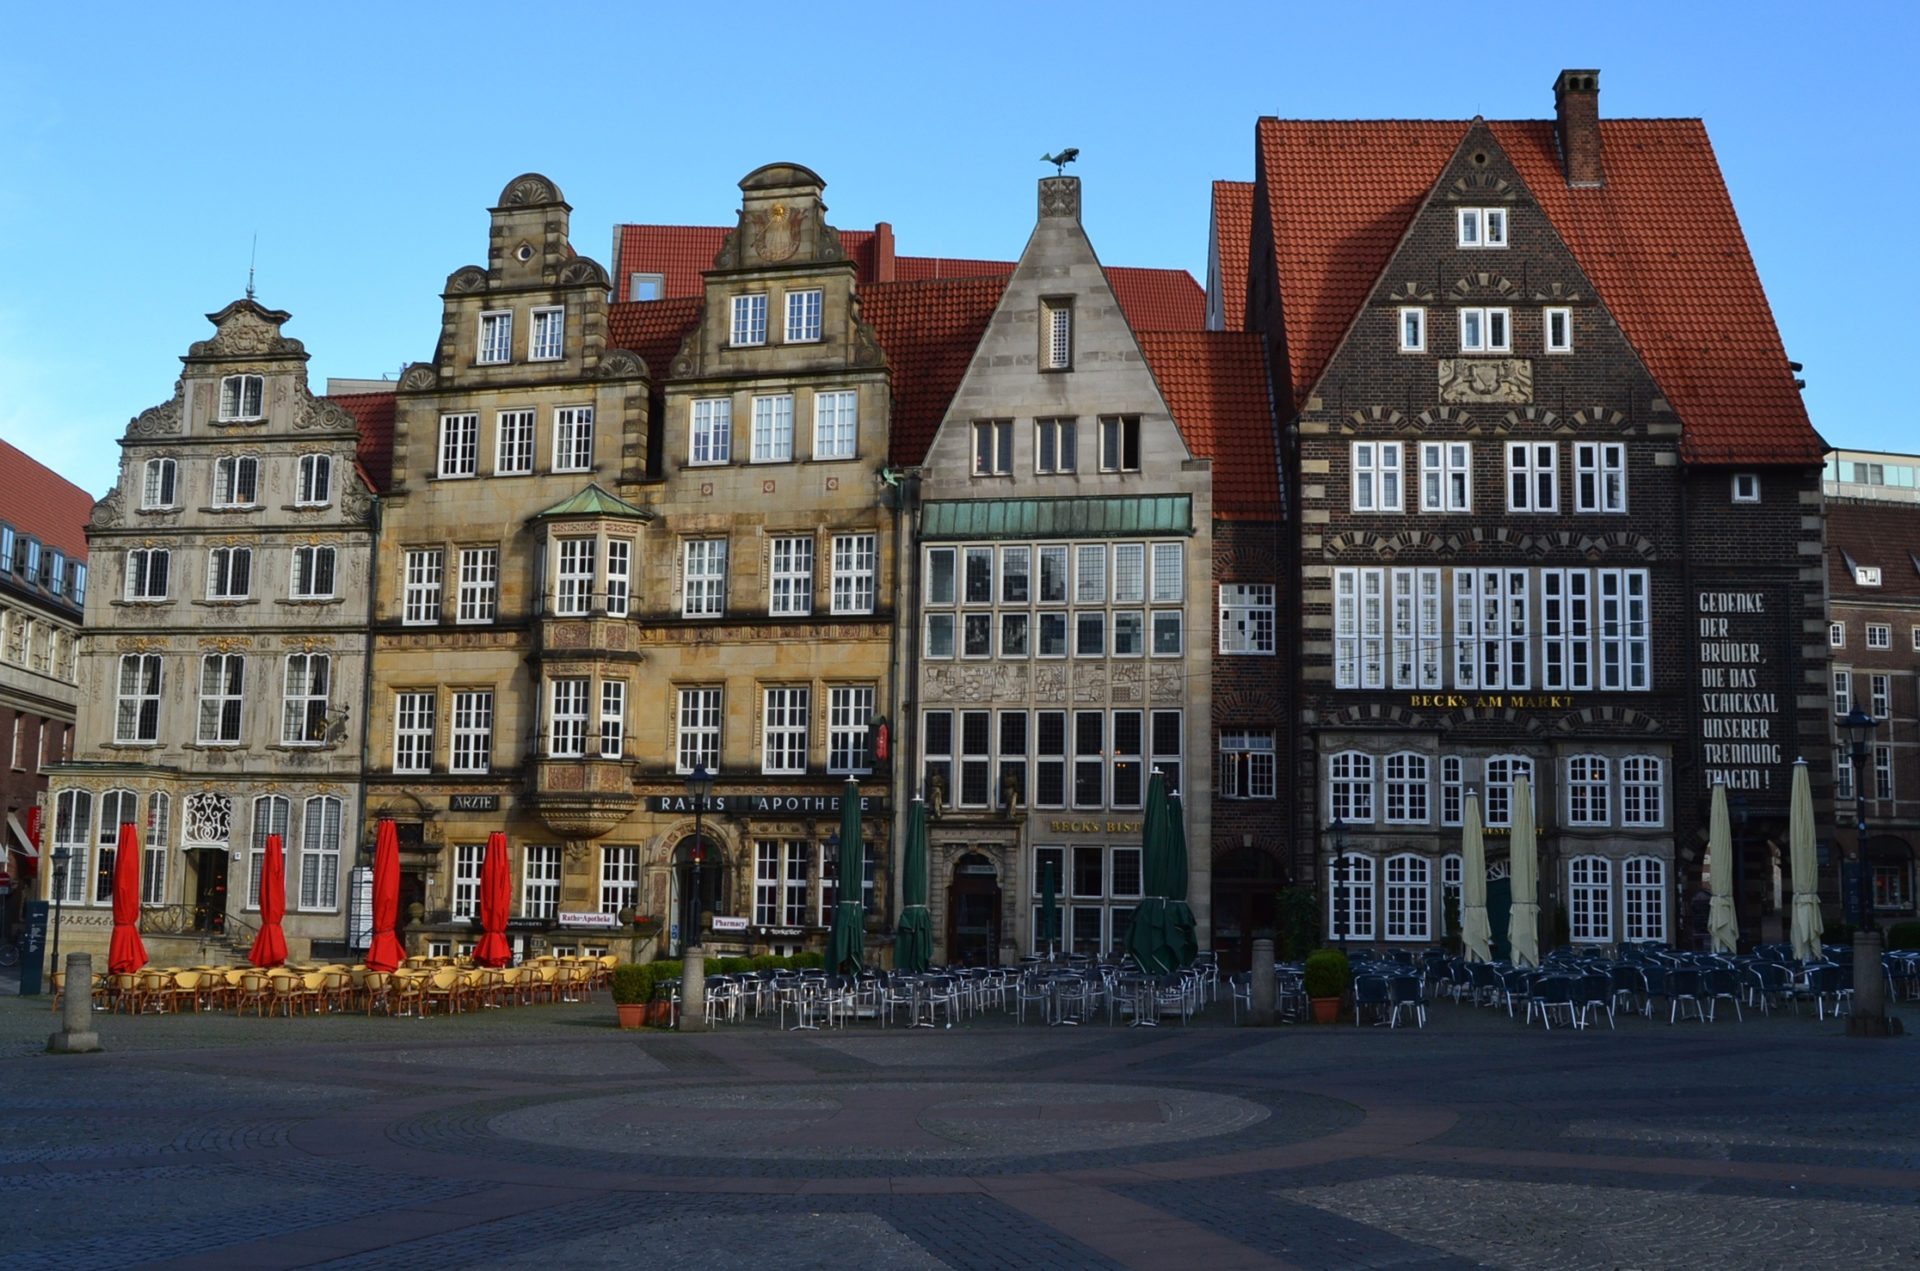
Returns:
(20,843)
(1126,516)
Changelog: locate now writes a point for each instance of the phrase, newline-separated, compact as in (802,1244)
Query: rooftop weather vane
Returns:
(1061,160)
(252,254)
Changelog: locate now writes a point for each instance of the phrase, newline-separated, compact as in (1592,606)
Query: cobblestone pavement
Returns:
(545,1135)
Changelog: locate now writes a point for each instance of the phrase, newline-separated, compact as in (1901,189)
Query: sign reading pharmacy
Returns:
(1740,691)
(762,804)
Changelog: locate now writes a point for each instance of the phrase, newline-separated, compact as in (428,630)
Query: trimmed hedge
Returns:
(638,981)
(1328,973)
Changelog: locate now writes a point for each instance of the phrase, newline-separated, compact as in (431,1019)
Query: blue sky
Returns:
(143,149)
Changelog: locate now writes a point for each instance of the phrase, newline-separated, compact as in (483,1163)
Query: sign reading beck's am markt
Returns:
(1741,725)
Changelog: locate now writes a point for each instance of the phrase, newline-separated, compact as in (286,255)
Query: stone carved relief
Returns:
(316,413)
(418,378)
(156,421)
(1128,681)
(581,272)
(109,511)
(1165,684)
(1498,380)
(355,503)
(1090,683)
(467,279)
(1050,684)
(530,190)
(622,364)
(246,330)
(776,232)
(1060,196)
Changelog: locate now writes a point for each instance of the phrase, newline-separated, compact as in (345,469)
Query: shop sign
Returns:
(1093,827)
(782,931)
(473,803)
(722,922)
(588,918)
(761,804)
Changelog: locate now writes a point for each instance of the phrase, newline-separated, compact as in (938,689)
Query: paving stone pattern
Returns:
(544,1136)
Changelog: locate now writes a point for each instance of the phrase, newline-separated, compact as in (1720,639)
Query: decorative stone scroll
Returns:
(1505,381)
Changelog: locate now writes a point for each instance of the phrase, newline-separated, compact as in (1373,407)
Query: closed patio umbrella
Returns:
(270,946)
(1476,936)
(913,940)
(496,898)
(1523,921)
(1049,909)
(1161,938)
(127,953)
(1184,931)
(1723,924)
(386,952)
(844,944)
(1807,923)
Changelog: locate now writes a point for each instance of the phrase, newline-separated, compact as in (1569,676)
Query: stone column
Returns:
(76,1035)
(1869,1017)
(1263,986)
(693,991)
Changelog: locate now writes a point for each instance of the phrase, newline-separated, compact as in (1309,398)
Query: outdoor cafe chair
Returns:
(1593,992)
(1031,992)
(1628,985)
(1240,993)
(442,986)
(1828,988)
(1515,985)
(1370,993)
(1720,984)
(283,991)
(1550,995)
(406,993)
(1684,985)
(255,991)
(1406,993)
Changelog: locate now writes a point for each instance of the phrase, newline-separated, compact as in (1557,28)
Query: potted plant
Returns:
(645,924)
(1327,978)
(632,988)
(660,1004)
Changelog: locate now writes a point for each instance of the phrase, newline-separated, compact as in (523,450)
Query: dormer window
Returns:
(496,338)
(749,320)
(646,286)
(1056,334)
(549,334)
(1482,226)
(803,316)
(1866,575)
(241,396)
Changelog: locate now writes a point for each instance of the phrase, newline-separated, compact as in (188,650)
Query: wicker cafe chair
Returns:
(284,988)
(405,994)
(255,991)
(442,986)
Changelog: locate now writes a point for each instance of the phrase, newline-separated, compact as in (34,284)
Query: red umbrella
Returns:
(386,953)
(126,954)
(270,946)
(496,898)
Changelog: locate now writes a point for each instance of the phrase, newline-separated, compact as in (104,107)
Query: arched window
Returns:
(1502,770)
(1642,787)
(1587,790)
(117,807)
(1643,897)
(153,879)
(1350,898)
(320,854)
(1408,802)
(73,831)
(1350,787)
(270,812)
(1409,897)
(1590,899)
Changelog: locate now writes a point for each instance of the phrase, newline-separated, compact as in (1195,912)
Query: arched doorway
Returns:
(713,889)
(973,912)
(1245,883)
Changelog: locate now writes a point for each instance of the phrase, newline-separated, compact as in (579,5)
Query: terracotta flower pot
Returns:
(660,1014)
(632,1014)
(1325,1009)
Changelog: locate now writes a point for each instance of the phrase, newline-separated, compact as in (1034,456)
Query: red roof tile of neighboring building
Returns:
(1159,299)
(374,451)
(1232,240)
(1215,382)
(1871,532)
(680,253)
(42,504)
(927,268)
(1659,239)
(929,331)
(654,329)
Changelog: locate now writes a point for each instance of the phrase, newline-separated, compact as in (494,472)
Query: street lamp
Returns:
(1337,832)
(1869,1016)
(62,858)
(699,786)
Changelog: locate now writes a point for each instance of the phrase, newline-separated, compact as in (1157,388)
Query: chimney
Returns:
(882,252)
(1576,110)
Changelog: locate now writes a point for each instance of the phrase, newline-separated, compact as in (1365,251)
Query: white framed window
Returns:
(783,736)
(73,830)
(1481,227)
(303,704)
(147,569)
(472,744)
(853,572)
(1350,787)
(1599,476)
(420,598)
(1879,635)
(1837,635)
(1502,772)
(1642,791)
(790,576)
(1089,634)
(992,447)
(1416,628)
(314,481)
(1883,772)
(573,439)
(1359,628)
(1866,575)
(549,334)
(1126,778)
(712,437)
(781,876)
(459,445)
(1625,641)
(1879,695)
(1056,334)
(975,787)
(236,481)
(153,877)
(1377,476)
(242,397)
(613,719)
(1452,872)
(320,853)
(835,424)
(619,577)
(697,739)
(136,712)
(1643,898)
(1588,790)
(1350,897)
(1247,618)
(1556,329)
(1412,326)
(1914,636)
(496,338)
(772,429)
(849,713)
(158,487)
(479,584)
(413,731)
(223,685)
(1486,330)
(1746,487)
(464,894)
(1169,574)
(1246,768)
(1055,445)
(229,573)
(749,320)
(573,577)
(540,882)
(1590,899)
(1119,443)
(567,718)
(271,814)
(312,575)
(513,443)
(1407,789)
(1566,616)
(803,316)
(704,593)
(1090,574)
(1533,476)
(1446,476)
(1409,897)
(1842,692)
(1452,790)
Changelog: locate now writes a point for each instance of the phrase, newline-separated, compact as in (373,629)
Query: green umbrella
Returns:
(844,945)
(913,942)
(1162,936)
(1049,908)
(1186,939)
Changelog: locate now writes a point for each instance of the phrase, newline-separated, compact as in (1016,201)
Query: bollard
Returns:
(1263,985)
(693,991)
(76,1035)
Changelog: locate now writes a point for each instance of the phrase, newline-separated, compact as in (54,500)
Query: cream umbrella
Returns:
(1807,925)
(1722,924)
(1523,922)
(1476,938)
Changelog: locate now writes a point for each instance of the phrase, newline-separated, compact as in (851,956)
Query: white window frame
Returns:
(1350,779)
(1599,476)
(1248,767)
(1446,476)
(1497,799)
(749,320)
(703,592)
(697,737)
(783,728)
(1533,476)
(1379,476)
(1407,784)
(1411,325)
(143,564)
(790,575)
(1481,228)
(613,719)
(1548,317)
(1409,898)
(1879,635)
(1356,891)
(567,717)
(136,703)
(1643,898)
(549,339)
(459,446)
(992,447)
(306,690)
(223,699)
(229,573)
(1247,619)
(414,712)
(855,565)
(1643,791)
(1056,333)
(463,893)
(1589,790)
(619,577)
(619,878)
(575,562)
(243,398)
(421,571)
(849,713)
(540,880)
(836,424)
(1485,328)
(314,481)
(495,346)
(321,820)
(806,313)
(479,586)
(513,443)
(471,741)
(1120,443)
(160,485)
(573,439)
(1879,694)
(772,434)
(233,476)
(710,431)
(272,814)
(1056,445)
(1746,487)
(311,566)
(1590,900)
(1837,635)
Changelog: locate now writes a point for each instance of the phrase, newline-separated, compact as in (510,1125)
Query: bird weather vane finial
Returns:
(1061,160)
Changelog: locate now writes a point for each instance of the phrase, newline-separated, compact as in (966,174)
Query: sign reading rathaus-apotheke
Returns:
(762,804)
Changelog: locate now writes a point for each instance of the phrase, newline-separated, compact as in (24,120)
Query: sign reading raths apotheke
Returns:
(1741,689)
(761,804)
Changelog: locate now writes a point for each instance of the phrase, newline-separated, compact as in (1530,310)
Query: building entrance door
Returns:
(1245,883)
(973,912)
(713,868)
(413,891)
(210,890)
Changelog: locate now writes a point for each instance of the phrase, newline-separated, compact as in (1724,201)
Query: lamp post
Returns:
(1337,834)
(62,858)
(1869,1015)
(699,786)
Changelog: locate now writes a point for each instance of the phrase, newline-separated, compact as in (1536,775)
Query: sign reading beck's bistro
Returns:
(761,804)
(1742,731)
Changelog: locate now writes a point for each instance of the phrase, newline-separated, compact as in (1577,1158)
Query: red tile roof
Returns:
(654,329)
(374,453)
(1159,299)
(42,504)
(1660,241)
(927,268)
(1232,240)
(1872,532)
(679,252)
(929,331)
(1215,382)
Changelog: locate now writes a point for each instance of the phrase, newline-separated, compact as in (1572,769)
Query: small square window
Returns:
(1879,635)
(1916,639)
(1413,330)
(496,338)
(1120,443)
(1746,487)
(1557,327)
(803,316)
(549,335)
(646,286)
(1866,575)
